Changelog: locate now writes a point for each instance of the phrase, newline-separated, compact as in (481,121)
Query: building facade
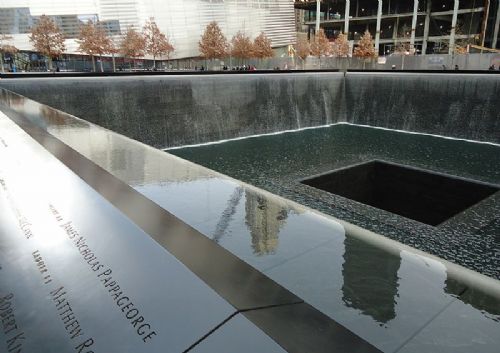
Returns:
(183,21)
(430,26)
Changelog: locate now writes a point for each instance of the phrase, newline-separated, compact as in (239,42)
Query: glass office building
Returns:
(182,20)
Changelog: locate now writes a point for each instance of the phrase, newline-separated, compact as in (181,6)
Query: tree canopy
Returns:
(365,48)
(321,45)
(241,46)
(47,38)
(133,44)
(156,42)
(213,44)
(303,47)
(340,47)
(262,47)
(93,39)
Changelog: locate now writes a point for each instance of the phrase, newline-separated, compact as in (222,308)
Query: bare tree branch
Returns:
(157,43)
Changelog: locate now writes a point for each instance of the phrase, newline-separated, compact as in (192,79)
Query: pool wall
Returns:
(168,111)
(456,105)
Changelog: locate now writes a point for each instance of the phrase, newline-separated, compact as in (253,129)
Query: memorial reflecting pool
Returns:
(218,265)
(279,163)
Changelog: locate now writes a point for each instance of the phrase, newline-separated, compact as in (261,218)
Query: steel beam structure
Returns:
(497,25)
(318,14)
(377,33)
(346,18)
(413,24)
(451,48)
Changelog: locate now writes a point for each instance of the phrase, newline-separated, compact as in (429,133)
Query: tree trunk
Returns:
(93,63)
(1,62)
(114,65)
(50,63)
(154,62)
(102,69)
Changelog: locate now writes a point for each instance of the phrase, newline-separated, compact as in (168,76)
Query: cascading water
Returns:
(168,111)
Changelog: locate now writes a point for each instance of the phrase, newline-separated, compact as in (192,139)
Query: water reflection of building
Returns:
(370,286)
(481,300)
(264,219)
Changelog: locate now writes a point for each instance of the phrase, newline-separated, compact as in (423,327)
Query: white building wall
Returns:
(53,7)
(182,20)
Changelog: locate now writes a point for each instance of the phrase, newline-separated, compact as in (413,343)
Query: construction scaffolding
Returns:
(427,26)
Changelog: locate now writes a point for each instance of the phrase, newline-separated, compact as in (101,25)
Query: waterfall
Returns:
(168,111)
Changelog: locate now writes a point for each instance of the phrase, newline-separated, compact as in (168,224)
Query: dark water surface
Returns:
(397,300)
(279,162)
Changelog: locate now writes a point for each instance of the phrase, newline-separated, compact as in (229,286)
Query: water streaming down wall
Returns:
(172,111)
(457,105)
(167,111)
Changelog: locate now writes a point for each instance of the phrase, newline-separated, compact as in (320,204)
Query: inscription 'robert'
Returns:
(15,337)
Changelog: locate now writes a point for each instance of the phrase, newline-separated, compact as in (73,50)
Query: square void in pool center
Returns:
(419,194)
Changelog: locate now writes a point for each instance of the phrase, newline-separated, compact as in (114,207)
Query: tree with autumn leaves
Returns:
(262,47)
(133,44)
(365,48)
(156,42)
(93,41)
(47,38)
(213,43)
(241,46)
(320,46)
(340,47)
(302,48)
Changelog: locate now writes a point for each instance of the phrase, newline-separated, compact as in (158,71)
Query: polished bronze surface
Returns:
(242,286)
